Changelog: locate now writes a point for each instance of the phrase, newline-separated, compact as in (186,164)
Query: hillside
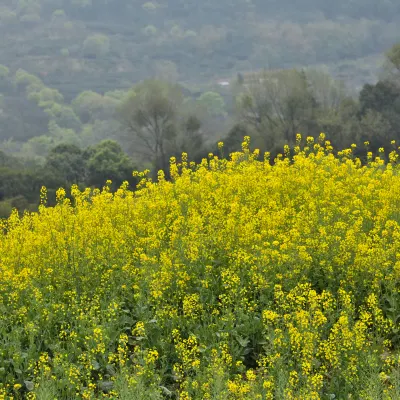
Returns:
(74,45)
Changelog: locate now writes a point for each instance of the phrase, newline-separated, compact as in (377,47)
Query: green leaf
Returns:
(166,391)
(106,385)
(96,365)
(29,385)
(243,341)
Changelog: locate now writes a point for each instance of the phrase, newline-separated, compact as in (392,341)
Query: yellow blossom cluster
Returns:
(241,278)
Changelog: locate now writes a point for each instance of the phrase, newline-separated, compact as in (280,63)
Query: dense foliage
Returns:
(100,45)
(235,280)
(156,119)
(75,46)
(65,164)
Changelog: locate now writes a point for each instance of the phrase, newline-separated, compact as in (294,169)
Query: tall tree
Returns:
(277,105)
(150,117)
(382,99)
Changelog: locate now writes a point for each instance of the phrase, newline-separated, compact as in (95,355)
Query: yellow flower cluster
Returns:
(239,278)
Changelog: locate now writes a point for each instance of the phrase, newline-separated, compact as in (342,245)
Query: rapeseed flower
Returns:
(236,279)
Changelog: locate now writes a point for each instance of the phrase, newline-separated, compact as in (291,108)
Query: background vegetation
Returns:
(156,78)
(101,45)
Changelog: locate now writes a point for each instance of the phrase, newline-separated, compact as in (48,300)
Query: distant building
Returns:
(223,83)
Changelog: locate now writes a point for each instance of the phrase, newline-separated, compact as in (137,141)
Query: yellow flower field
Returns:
(237,279)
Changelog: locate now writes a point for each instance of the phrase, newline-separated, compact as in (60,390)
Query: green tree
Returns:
(99,130)
(96,45)
(106,161)
(383,101)
(4,72)
(149,6)
(64,116)
(5,208)
(341,124)
(213,102)
(91,106)
(234,138)
(67,165)
(150,30)
(46,97)
(375,129)
(5,81)
(166,70)
(25,79)
(189,138)
(393,59)
(19,182)
(87,105)
(149,116)
(37,147)
(8,161)
(382,96)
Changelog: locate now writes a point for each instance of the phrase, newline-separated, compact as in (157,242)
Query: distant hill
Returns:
(76,45)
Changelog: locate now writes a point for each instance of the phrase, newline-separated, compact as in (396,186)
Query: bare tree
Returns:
(277,105)
(159,123)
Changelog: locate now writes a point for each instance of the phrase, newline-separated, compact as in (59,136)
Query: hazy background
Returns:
(70,69)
